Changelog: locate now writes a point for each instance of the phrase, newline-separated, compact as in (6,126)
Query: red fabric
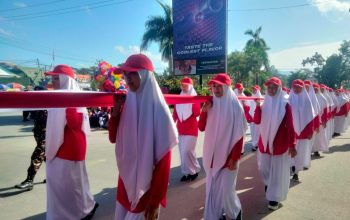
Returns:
(221,79)
(235,153)
(324,117)
(343,110)
(273,80)
(308,131)
(74,144)
(190,125)
(83,99)
(317,122)
(156,194)
(285,137)
(137,62)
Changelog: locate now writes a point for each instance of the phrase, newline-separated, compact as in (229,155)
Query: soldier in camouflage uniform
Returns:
(38,156)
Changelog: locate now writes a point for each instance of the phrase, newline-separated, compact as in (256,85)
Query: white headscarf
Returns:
(341,98)
(322,101)
(314,101)
(146,133)
(184,111)
(226,125)
(56,119)
(335,101)
(302,110)
(273,111)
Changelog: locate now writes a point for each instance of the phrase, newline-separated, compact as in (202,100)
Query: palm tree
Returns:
(160,29)
(260,47)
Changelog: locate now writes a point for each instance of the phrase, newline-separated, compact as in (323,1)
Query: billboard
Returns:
(200,36)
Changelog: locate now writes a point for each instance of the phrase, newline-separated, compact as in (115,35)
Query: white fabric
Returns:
(275,173)
(221,195)
(123,214)
(314,101)
(184,111)
(189,162)
(145,134)
(68,193)
(340,124)
(252,104)
(321,141)
(273,111)
(226,125)
(302,110)
(341,98)
(255,133)
(56,119)
(303,148)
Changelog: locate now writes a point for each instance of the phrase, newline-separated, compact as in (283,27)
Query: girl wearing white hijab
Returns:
(317,120)
(68,193)
(254,128)
(185,115)
(321,141)
(303,121)
(224,123)
(276,143)
(144,133)
(330,106)
(342,113)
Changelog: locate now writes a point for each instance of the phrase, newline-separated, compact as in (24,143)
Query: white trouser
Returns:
(321,142)
(221,195)
(275,170)
(340,124)
(123,214)
(303,154)
(255,132)
(189,162)
(68,193)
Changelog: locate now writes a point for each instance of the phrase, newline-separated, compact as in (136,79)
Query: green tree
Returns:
(159,29)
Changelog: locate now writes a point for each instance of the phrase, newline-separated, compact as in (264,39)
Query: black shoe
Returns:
(44,181)
(185,178)
(92,213)
(306,168)
(317,154)
(25,185)
(193,177)
(293,169)
(336,134)
(242,153)
(255,148)
(273,205)
(265,188)
(239,216)
(295,177)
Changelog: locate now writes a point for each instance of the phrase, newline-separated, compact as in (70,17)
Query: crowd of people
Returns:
(287,127)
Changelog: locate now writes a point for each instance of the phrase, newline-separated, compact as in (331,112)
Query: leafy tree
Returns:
(159,29)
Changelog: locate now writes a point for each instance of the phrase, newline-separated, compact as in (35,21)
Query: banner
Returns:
(82,99)
(200,36)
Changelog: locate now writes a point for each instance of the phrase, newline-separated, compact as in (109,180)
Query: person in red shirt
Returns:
(276,143)
(224,124)
(340,122)
(321,141)
(68,193)
(185,116)
(144,133)
(303,121)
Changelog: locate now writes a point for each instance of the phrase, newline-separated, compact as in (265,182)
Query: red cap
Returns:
(323,86)
(298,83)
(339,90)
(316,86)
(137,62)
(273,80)
(307,82)
(187,80)
(239,86)
(62,69)
(221,78)
(330,89)
(257,87)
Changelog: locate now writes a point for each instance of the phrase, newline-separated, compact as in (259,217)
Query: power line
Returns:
(275,8)
(31,6)
(67,10)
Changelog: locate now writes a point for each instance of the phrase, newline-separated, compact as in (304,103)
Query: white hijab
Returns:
(335,101)
(322,101)
(226,125)
(146,133)
(184,111)
(314,101)
(273,111)
(341,98)
(56,119)
(302,110)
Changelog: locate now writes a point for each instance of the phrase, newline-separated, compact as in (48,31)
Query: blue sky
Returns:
(113,32)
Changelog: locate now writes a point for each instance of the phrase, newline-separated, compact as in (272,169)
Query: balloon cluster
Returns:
(109,78)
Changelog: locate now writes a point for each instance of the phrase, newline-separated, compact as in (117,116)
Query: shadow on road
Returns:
(12,191)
